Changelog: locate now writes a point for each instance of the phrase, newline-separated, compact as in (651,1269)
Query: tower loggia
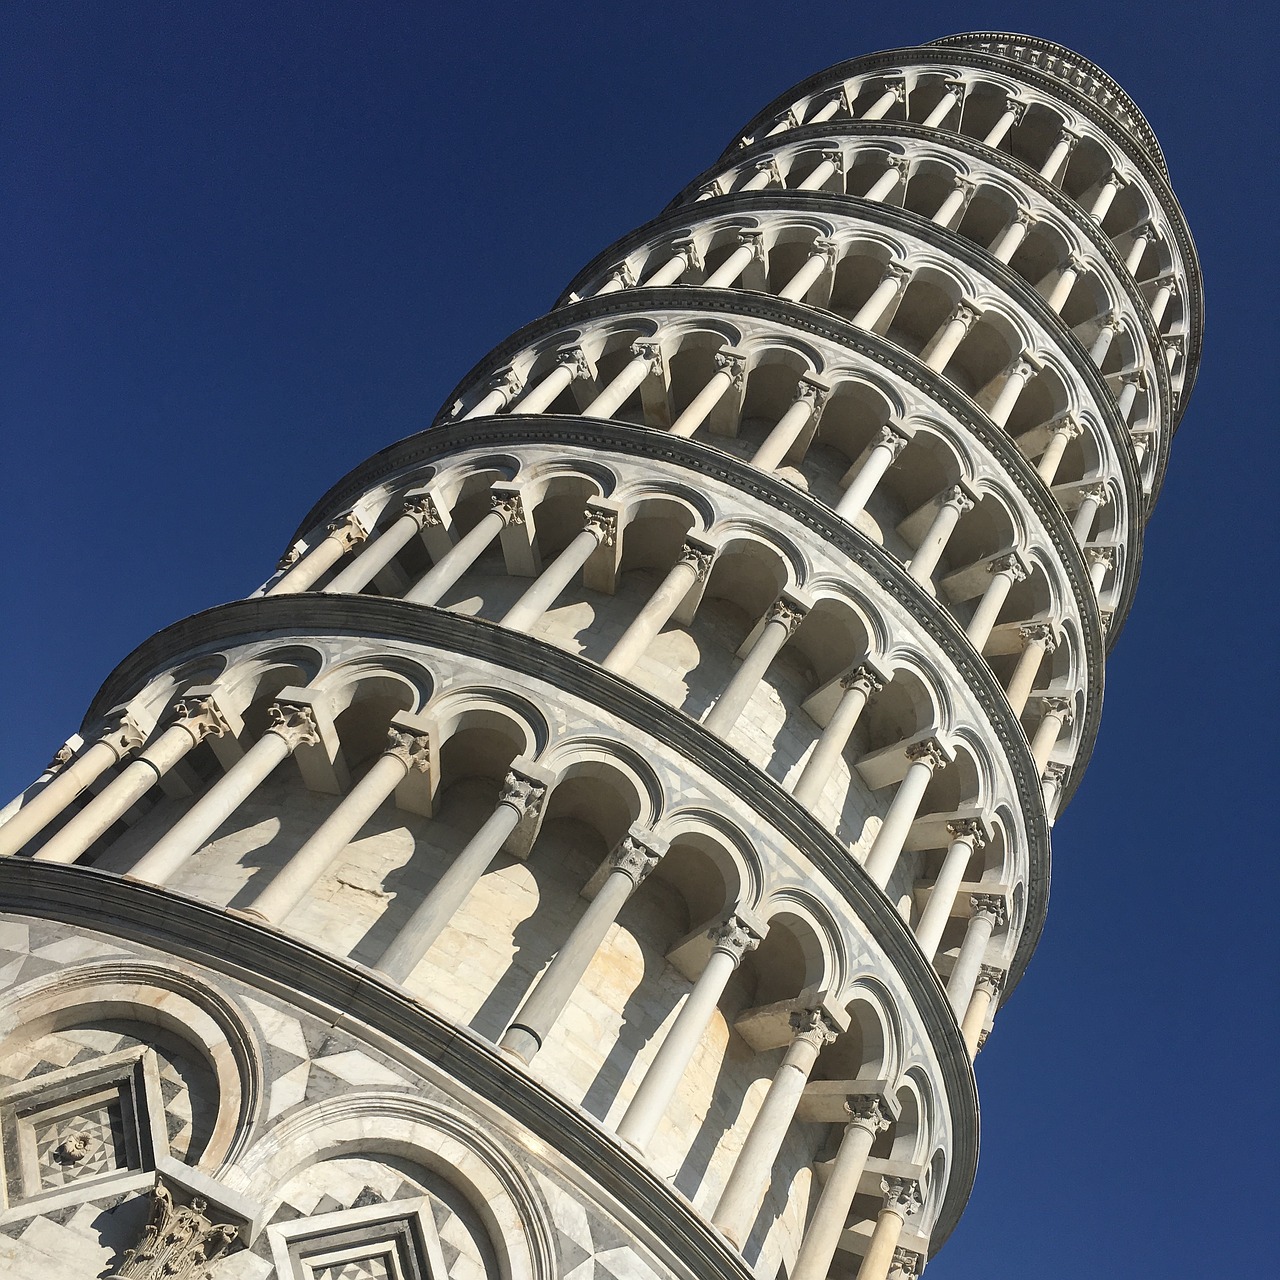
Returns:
(602,846)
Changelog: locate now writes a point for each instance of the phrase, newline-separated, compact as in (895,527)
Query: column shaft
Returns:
(822,1237)
(889,443)
(804,279)
(972,950)
(614,396)
(887,846)
(884,1240)
(935,540)
(937,911)
(457,560)
(552,581)
(731,268)
(785,433)
(1025,672)
(538,398)
(730,704)
(988,610)
(695,413)
(377,555)
(835,737)
(657,611)
(871,311)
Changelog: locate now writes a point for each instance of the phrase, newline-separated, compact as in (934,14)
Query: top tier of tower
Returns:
(1061,126)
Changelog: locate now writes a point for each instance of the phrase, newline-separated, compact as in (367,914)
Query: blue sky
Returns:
(246,245)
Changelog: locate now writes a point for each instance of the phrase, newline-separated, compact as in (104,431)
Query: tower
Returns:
(602,846)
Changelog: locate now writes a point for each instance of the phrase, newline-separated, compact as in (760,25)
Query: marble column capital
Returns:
(734,937)
(603,523)
(990,907)
(990,980)
(970,830)
(295,723)
(523,794)
(901,1195)
(635,859)
(200,717)
(509,506)
(699,559)
(929,751)
(348,530)
(814,1027)
(863,679)
(412,749)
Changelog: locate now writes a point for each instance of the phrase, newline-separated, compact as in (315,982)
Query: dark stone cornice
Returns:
(379,616)
(258,955)
(890,131)
(825,324)
(906,222)
(952,55)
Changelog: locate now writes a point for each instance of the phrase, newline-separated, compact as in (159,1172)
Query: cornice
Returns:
(909,223)
(879,350)
(953,55)
(260,955)
(385,617)
(1016,169)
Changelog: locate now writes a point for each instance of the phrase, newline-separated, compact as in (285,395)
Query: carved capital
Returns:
(956,497)
(633,859)
(965,313)
(898,272)
(200,717)
(1060,707)
(891,438)
(1017,109)
(1101,555)
(1099,493)
(61,758)
(753,239)
(904,1265)
(1009,565)
(413,749)
(734,937)
(812,391)
(509,382)
(289,559)
(902,1195)
(710,190)
(523,794)
(623,275)
(835,157)
(1026,366)
(179,1242)
(862,678)
(990,980)
(685,248)
(982,1039)
(1040,633)
(1068,425)
(827,248)
(989,906)
(604,524)
(295,723)
(899,164)
(896,87)
(348,531)
(969,830)
(813,1027)
(734,363)
(1025,218)
(576,360)
(1054,775)
(789,614)
(651,352)
(508,506)
(123,735)
(953,86)
(928,752)
(422,509)
(867,1111)
(698,559)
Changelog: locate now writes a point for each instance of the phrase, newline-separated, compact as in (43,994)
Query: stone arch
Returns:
(426,1133)
(717,869)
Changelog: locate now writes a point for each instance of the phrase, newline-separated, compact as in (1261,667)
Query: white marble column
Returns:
(646,361)
(693,565)
(857,689)
(115,742)
(1166,291)
(520,798)
(1013,112)
(897,172)
(684,257)
(1143,239)
(731,371)
(730,942)
(951,209)
(1131,382)
(751,247)
(1107,193)
(292,726)
(867,1119)
(1038,639)
(406,751)
(503,389)
(1055,165)
(1101,560)
(629,865)
(195,720)
(943,346)
(1057,714)
(571,365)
(767,175)
(827,110)
(1071,272)
(1065,429)
(1107,330)
(1092,499)
(889,442)
(1005,571)
(600,530)
(988,911)
(924,758)
(506,509)
(986,988)
(894,91)
(783,618)
(1006,244)
(891,285)
(946,104)
(621,277)
(342,535)
(811,395)
(1023,369)
(822,259)
(967,837)
(901,1200)
(417,514)
(832,163)
(753,1169)
(955,502)
(1052,780)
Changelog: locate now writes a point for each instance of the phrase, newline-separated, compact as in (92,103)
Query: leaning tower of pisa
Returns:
(600,849)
